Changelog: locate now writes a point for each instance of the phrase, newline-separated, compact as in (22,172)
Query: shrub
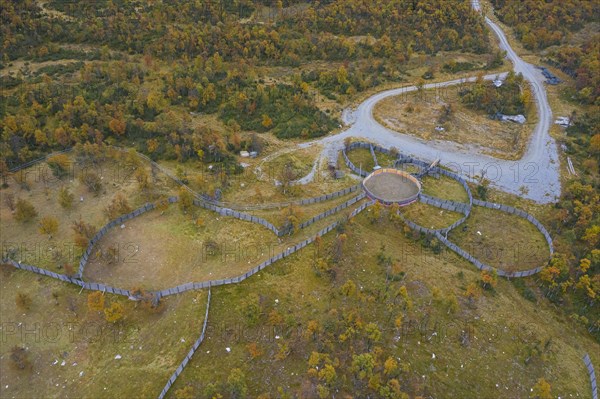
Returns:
(65,198)
(95,301)
(186,199)
(114,312)
(236,383)
(25,211)
(92,181)
(18,355)
(48,225)
(59,164)
(118,206)
(250,308)
(9,201)
(23,301)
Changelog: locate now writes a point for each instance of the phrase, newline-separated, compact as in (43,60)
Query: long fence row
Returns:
(590,368)
(184,287)
(69,279)
(278,231)
(287,252)
(37,160)
(116,222)
(333,210)
(189,355)
(275,205)
(448,205)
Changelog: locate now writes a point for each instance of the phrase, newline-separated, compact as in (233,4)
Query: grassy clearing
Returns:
(444,187)
(59,327)
(502,328)
(430,216)
(157,251)
(516,245)
(299,162)
(362,158)
(385,160)
(419,115)
(163,250)
(42,189)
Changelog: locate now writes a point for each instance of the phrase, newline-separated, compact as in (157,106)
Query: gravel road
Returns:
(535,176)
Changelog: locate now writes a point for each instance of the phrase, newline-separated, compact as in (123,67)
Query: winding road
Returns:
(535,176)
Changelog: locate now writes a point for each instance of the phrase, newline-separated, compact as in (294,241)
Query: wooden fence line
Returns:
(189,355)
(592,373)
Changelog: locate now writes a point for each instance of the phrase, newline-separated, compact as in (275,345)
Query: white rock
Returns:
(433,355)
(117,357)
(63,363)
(228,349)
(122,226)
(277,337)
(81,373)
(479,232)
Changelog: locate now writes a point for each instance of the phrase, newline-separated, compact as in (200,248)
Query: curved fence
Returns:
(189,286)
(454,206)
(444,204)
(221,211)
(403,175)
(116,222)
(349,164)
(290,250)
(520,213)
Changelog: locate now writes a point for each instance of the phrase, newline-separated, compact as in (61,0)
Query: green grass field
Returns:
(445,188)
(507,345)
(517,245)
(58,327)
(362,158)
(366,288)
